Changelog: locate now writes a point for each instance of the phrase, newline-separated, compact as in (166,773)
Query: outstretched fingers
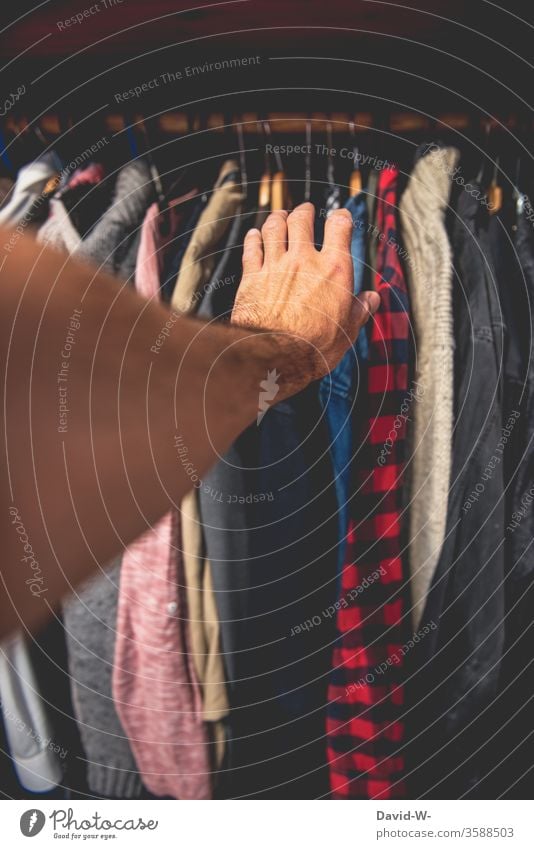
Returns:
(338,236)
(300,227)
(252,252)
(274,234)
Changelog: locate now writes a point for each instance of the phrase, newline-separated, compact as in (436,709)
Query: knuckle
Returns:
(341,266)
(338,269)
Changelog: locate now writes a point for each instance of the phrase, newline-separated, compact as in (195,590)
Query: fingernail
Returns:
(372,301)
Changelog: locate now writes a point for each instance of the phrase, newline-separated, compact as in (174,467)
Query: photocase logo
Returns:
(270,391)
(32,822)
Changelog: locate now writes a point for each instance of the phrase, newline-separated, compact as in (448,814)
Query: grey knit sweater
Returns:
(430,275)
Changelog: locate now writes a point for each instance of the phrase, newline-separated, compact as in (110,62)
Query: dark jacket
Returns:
(509,755)
(454,671)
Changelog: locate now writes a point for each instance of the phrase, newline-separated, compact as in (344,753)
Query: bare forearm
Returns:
(102,407)
(105,394)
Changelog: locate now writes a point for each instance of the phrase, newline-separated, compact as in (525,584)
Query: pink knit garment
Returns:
(156,693)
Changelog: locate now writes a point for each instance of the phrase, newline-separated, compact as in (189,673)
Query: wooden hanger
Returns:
(264,194)
(242,158)
(307,163)
(355,179)
(494,191)
(280,197)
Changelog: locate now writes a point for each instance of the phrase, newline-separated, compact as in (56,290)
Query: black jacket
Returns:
(454,673)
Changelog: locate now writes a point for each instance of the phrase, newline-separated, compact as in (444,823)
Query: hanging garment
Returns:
(204,620)
(365,728)
(90,617)
(219,294)
(268,514)
(430,408)
(155,688)
(454,671)
(204,631)
(155,685)
(28,189)
(158,243)
(213,249)
(201,253)
(519,395)
(45,660)
(175,257)
(512,750)
(508,756)
(86,196)
(339,389)
(373,232)
(26,721)
(329,200)
(218,216)
(113,243)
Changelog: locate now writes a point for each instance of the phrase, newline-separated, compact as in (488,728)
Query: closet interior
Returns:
(342,607)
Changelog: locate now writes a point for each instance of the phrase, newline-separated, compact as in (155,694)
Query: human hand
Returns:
(290,287)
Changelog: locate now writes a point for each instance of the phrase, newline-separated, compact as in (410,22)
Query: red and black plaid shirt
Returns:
(364,728)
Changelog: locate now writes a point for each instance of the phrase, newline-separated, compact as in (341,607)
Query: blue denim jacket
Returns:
(339,389)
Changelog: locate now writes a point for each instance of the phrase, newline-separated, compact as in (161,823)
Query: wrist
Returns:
(273,355)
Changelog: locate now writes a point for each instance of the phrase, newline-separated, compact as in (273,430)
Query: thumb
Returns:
(363,307)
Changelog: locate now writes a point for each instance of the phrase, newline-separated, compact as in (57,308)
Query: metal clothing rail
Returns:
(283,122)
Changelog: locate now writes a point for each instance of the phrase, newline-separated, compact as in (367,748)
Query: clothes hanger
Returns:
(484,144)
(190,175)
(494,190)
(162,197)
(55,181)
(242,158)
(278,191)
(330,169)
(264,192)
(334,192)
(37,134)
(307,162)
(154,172)
(355,179)
(65,142)
(280,197)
